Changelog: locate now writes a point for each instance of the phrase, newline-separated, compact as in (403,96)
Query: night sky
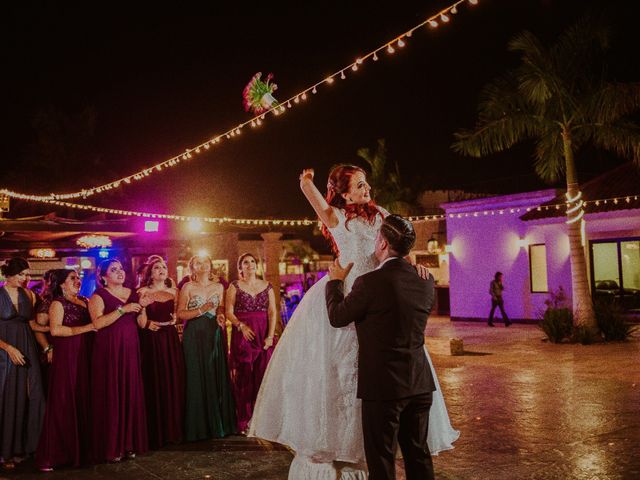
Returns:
(155,80)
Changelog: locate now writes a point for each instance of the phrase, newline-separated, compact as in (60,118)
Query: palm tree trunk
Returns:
(583,314)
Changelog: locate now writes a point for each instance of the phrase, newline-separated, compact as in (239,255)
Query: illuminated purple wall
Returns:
(483,243)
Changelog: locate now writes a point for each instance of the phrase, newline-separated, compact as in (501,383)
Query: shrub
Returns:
(611,321)
(557,323)
(557,320)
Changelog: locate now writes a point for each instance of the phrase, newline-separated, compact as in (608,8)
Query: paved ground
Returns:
(526,409)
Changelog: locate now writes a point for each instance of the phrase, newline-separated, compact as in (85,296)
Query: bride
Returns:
(307,400)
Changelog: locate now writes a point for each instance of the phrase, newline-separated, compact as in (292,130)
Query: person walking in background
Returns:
(117,393)
(209,406)
(162,358)
(251,309)
(65,432)
(495,290)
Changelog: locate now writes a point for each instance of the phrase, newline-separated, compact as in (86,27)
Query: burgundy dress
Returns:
(119,422)
(42,306)
(163,374)
(65,434)
(248,359)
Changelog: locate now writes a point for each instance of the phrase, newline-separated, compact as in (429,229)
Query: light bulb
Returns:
(401,43)
(390,49)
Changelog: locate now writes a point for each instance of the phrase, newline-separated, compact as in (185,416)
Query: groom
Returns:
(390,306)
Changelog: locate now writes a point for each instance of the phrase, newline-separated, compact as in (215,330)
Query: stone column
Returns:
(272,247)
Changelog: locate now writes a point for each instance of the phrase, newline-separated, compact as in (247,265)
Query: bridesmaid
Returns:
(209,409)
(65,432)
(162,358)
(119,423)
(21,395)
(251,308)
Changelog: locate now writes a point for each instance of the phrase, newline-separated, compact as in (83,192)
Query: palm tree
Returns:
(559,97)
(385,180)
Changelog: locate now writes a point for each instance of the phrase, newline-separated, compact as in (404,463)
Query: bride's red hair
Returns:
(338,184)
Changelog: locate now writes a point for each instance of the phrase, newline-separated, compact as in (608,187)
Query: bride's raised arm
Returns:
(315,198)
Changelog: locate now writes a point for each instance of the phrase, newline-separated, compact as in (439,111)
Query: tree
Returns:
(385,180)
(559,97)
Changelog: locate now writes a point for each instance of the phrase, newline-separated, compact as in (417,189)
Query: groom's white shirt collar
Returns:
(385,261)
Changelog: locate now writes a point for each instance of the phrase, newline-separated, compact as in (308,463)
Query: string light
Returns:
(253,122)
(306,222)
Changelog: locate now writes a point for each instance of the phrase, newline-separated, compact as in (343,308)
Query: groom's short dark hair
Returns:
(399,234)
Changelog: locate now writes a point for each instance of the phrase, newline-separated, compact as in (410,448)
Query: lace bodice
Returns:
(245,302)
(356,243)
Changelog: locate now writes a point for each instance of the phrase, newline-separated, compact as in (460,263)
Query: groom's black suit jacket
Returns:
(390,307)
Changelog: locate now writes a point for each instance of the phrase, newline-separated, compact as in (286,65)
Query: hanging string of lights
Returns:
(628,199)
(571,211)
(440,18)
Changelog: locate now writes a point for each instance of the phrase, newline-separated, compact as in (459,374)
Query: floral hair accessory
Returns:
(257,94)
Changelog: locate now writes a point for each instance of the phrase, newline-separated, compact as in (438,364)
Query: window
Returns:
(538,268)
(615,271)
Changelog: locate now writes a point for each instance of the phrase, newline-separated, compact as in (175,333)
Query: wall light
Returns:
(448,248)
(522,243)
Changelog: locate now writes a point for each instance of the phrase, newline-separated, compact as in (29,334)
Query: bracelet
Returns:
(48,349)
(200,310)
(121,311)
(239,326)
(269,338)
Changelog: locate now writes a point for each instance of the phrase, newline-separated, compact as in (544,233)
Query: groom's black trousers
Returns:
(404,422)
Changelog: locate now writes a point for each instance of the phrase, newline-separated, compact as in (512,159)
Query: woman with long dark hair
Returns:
(65,433)
(308,395)
(162,358)
(119,423)
(251,309)
(21,394)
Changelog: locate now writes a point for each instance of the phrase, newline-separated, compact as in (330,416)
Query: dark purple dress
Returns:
(248,359)
(21,394)
(163,374)
(65,433)
(42,306)
(119,422)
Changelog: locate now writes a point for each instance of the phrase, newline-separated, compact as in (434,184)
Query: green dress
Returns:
(209,405)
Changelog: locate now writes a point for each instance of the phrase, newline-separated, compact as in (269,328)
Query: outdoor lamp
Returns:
(432,245)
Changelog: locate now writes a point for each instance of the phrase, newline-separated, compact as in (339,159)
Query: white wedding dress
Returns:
(307,400)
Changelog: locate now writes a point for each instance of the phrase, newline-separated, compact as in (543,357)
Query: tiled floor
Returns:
(526,409)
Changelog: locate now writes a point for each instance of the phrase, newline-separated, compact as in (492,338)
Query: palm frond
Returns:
(497,135)
(536,79)
(550,161)
(621,138)
(611,102)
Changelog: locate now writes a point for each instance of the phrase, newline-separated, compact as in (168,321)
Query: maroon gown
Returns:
(119,422)
(163,374)
(65,433)
(248,359)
